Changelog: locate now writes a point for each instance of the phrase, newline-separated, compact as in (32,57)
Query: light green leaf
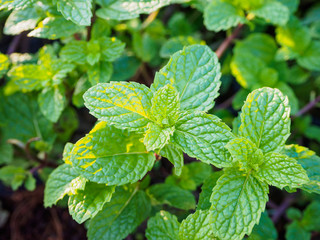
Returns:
(78,11)
(52,102)
(63,180)
(265,119)
(54,28)
(237,202)
(195,73)
(128,9)
(288,91)
(124,104)
(67,153)
(121,216)
(245,153)
(219,15)
(165,107)
(197,226)
(163,226)
(111,48)
(176,44)
(21,20)
(296,232)
(265,230)
(6,151)
(204,137)
(4,64)
(281,171)
(111,156)
(175,156)
(88,202)
(206,191)
(74,51)
(273,12)
(29,77)
(145,46)
(101,72)
(292,5)
(310,220)
(172,195)
(157,137)
(15,176)
(310,58)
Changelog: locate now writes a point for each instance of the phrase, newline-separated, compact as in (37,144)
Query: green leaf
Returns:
(237,202)
(128,9)
(78,11)
(310,220)
(124,68)
(15,176)
(54,28)
(163,226)
(67,153)
(29,77)
(204,137)
(206,191)
(311,164)
(4,64)
(265,119)
(172,195)
(165,107)
(273,12)
(195,73)
(118,218)
(157,137)
(265,230)
(111,156)
(175,156)
(292,5)
(310,58)
(245,153)
(176,44)
(63,180)
(124,104)
(219,15)
(52,102)
(294,37)
(281,171)
(179,25)
(21,20)
(296,232)
(74,51)
(101,72)
(6,151)
(88,202)
(111,48)
(196,226)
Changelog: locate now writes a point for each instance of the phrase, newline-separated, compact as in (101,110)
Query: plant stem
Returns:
(14,44)
(278,212)
(226,43)
(307,107)
(150,19)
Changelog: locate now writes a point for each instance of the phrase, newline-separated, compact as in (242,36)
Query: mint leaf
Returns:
(172,195)
(119,217)
(111,156)
(111,48)
(219,15)
(204,137)
(87,202)
(310,59)
(265,119)
(128,9)
(74,51)
(63,180)
(281,171)
(67,153)
(126,105)
(4,64)
(310,221)
(206,190)
(195,73)
(78,11)
(237,202)
(273,12)
(264,230)
(52,102)
(54,27)
(165,107)
(163,226)
(196,226)
(296,231)
(157,137)
(175,156)
(101,72)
